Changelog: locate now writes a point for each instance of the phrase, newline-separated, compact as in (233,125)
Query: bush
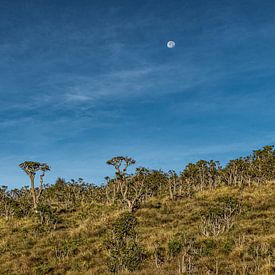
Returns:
(125,253)
(174,247)
(47,216)
(125,226)
(227,247)
(207,247)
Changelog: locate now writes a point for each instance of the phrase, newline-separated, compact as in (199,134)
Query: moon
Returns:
(171,44)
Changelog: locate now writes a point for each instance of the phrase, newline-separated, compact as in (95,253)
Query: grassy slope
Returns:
(76,246)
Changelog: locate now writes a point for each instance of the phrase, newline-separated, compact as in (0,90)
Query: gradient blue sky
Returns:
(83,81)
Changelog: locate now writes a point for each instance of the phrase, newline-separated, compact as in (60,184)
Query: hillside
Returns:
(77,229)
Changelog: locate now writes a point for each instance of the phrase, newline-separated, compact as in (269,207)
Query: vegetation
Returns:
(208,219)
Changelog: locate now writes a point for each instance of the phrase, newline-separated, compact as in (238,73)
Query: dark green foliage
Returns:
(156,182)
(174,247)
(47,216)
(207,247)
(227,246)
(134,256)
(229,202)
(125,226)
(125,252)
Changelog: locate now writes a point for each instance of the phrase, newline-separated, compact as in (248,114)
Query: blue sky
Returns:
(83,81)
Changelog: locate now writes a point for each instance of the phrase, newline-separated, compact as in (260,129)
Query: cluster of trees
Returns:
(131,190)
(255,168)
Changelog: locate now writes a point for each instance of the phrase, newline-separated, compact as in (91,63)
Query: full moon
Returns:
(171,44)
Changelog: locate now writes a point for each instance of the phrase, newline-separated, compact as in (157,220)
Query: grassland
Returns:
(172,234)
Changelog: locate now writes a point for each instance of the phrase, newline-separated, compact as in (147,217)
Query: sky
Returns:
(83,81)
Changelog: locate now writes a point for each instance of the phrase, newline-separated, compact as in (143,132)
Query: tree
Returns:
(120,184)
(129,188)
(121,165)
(136,188)
(263,162)
(155,183)
(172,181)
(202,175)
(31,168)
(111,190)
(7,204)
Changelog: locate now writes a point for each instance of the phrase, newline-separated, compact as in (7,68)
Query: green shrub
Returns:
(207,246)
(174,247)
(125,253)
(227,247)
(133,256)
(229,201)
(125,226)
(47,216)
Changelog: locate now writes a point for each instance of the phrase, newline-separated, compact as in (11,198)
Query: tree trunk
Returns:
(170,189)
(40,187)
(33,192)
